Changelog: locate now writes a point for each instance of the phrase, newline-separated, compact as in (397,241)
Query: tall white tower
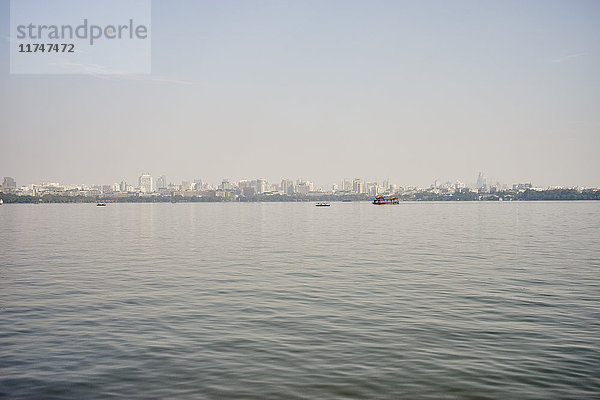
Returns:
(146,182)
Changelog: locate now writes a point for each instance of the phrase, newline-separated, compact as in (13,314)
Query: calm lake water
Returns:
(292,301)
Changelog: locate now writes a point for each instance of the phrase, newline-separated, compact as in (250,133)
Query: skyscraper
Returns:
(303,187)
(480,180)
(287,186)
(161,182)
(261,185)
(247,188)
(358,186)
(145,183)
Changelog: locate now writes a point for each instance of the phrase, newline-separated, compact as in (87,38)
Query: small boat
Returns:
(101,205)
(379,200)
(322,204)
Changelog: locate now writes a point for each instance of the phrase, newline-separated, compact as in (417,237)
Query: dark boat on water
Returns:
(101,205)
(322,204)
(380,200)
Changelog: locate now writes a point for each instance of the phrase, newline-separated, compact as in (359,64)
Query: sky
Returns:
(410,91)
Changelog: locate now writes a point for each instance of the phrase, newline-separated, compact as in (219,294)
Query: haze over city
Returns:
(405,91)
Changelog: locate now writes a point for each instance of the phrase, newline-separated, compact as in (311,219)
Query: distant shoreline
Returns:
(527,195)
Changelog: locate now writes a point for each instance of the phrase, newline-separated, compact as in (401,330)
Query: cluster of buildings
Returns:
(147,185)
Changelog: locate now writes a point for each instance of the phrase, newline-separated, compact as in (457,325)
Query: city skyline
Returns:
(147,183)
(157,178)
(160,189)
(150,182)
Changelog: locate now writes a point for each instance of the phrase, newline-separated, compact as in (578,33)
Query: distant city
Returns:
(148,188)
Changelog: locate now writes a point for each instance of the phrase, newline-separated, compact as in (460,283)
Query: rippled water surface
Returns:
(292,301)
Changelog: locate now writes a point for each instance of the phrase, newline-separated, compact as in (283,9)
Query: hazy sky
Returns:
(406,90)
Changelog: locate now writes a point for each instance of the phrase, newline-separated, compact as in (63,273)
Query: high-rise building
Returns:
(9,182)
(123,186)
(161,182)
(358,186)
(287,186)
(480,181)
(261,185)
(307,184)
(225,185)
(303,187)
(246,187)
(372,188)
(145,183)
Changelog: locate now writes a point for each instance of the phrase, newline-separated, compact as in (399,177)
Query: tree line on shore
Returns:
(527,195)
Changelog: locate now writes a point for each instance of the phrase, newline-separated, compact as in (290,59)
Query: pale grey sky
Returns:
(406,90)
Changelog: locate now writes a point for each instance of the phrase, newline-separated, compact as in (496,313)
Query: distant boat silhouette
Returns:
(322,204)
